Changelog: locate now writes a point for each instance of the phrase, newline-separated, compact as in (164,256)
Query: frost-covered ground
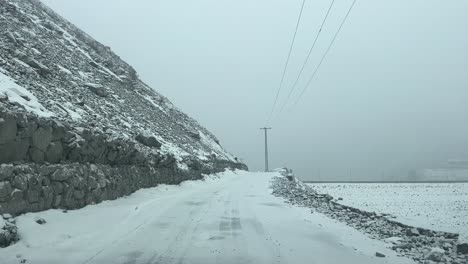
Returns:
(233,218)
(436,206)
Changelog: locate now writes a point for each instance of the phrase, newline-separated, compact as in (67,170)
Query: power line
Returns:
(306,60)
(325,54)
(287,61)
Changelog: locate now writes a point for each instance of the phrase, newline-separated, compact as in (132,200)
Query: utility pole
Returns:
(266,146)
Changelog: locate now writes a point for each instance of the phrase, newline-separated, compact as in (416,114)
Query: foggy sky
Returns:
(392,95)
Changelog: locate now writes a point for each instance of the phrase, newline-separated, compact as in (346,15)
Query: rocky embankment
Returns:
(422,245)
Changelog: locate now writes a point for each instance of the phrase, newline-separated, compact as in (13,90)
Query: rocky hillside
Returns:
(62,73)
(77,125)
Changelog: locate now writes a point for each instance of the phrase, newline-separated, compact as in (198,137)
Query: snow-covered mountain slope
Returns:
(77,125)
(50,68)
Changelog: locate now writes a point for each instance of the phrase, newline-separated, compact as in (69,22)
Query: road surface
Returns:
(233,219)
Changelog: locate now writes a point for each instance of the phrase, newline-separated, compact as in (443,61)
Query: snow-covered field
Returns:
(437,206)
(232,218)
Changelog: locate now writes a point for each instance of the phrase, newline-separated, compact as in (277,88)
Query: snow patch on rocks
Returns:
(14,93)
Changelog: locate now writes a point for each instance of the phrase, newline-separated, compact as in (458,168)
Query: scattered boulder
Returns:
(403,246)
(194,135)
(40,221)
(149,141)
(435,255)
(8,231)
(11,37)
(379,255)
(412,232)
(43,70)
(462,248)
(97,89)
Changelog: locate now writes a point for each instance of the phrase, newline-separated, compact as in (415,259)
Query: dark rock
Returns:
(14,150)
(5,191)
(62,174)
(16,194)
(78,194)
(41,138)
(8,234)
(21,148)
(44,181)
(40,221)
(97,89)
(435,255)
(8,129)
(57,187)
(20,182)
(7,152)
(380,255)
(92,183)
(462,248)
(56,201)
(6,170)
(149,141)
(6,216)
(54,152)
(412,232)
(58,132)
(33,196)
(43,70)
(36,155)
(194,135)
(11,37)
(47,170)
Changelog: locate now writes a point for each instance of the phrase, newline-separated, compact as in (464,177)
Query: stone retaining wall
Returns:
(27,138)
(31,187)
(44,164)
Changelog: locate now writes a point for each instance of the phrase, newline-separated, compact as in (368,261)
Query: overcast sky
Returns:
(392,94)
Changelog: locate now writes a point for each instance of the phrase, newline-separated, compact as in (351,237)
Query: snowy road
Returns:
(233,219)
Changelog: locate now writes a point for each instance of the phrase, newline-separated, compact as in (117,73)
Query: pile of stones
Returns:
(8,230)
(422,245)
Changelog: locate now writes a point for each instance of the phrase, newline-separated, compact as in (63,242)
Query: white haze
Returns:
(391,96)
